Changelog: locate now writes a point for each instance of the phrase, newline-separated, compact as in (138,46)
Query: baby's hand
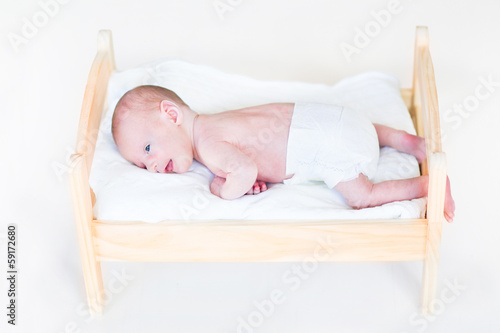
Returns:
(257,187)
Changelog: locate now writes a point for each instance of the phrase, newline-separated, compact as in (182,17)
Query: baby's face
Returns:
(155,143)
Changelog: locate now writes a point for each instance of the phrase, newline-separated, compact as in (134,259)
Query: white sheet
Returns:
(125,192)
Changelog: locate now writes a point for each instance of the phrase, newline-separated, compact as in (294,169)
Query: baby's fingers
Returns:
(257,187)
(253,189)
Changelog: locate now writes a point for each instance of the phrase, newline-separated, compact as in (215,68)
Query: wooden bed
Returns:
(276,240)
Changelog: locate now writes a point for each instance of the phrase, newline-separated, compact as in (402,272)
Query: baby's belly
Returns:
(272,169)
(264,138)
(271,159)
(274,179)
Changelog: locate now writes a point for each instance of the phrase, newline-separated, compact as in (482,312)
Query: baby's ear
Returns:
(171,111)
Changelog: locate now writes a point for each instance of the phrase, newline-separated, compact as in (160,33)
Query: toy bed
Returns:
(354,236)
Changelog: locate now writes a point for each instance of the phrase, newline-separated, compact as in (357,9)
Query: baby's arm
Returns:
(239,170)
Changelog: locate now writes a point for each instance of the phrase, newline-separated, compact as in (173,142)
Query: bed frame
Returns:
(276,240)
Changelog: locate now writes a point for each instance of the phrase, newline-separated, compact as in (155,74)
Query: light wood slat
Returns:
(368,240)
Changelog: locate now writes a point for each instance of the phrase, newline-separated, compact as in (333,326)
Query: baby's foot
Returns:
(449,203)
(414,145)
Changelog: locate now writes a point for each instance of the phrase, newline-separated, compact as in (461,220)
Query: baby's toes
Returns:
(449,216)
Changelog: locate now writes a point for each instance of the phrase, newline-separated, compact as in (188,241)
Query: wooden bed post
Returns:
(82,205)
(82,195)
(428,125)
(435,206)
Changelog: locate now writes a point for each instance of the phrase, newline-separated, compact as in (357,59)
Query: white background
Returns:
(42,84)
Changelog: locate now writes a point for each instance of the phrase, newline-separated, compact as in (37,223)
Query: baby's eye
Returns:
(147,148)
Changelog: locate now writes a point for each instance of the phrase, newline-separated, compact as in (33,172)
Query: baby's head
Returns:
(149,128)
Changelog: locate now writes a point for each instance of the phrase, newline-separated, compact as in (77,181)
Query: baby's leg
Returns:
(362,193)
(402,141)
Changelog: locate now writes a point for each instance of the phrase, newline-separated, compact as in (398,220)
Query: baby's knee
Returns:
(357,192)
(361,199)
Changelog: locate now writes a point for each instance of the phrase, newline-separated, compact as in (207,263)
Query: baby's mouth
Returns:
(170,166)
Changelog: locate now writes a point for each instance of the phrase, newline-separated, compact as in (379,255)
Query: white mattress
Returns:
(125,192)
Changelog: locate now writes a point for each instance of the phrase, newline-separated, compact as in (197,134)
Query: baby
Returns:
(273,143)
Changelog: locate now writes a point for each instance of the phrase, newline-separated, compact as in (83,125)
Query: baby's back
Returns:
(260,132)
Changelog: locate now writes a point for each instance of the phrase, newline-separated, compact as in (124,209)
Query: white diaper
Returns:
(330,143)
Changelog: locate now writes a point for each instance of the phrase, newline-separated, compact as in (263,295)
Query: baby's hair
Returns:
(142,99)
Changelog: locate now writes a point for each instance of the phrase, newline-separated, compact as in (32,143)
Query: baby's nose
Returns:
(153,167)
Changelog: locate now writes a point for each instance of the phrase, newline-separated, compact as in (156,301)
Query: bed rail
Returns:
(261,240)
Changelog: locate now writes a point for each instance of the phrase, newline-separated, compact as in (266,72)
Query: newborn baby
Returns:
(273,143)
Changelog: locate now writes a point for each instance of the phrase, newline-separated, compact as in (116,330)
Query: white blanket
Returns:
(125,192)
